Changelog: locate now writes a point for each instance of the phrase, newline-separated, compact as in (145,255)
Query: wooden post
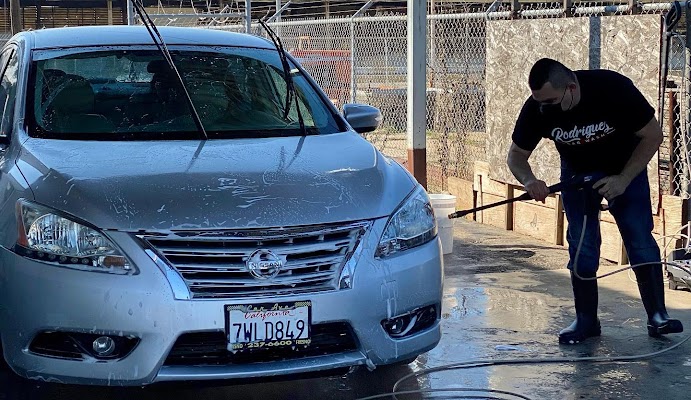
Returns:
(16,16)
(663,227)
(624,258)
(38,14)
(509,207)
(559,218)
(481,203)
(110,12)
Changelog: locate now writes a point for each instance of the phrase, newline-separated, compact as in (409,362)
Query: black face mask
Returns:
(553,108)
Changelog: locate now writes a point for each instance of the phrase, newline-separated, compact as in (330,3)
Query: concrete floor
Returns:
(506,296)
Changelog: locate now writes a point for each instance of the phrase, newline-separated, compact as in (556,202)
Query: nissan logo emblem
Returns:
(264,264)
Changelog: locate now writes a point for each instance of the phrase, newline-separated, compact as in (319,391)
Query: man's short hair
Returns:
(552,71)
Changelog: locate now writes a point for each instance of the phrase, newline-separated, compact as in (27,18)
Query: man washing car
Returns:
(600,123)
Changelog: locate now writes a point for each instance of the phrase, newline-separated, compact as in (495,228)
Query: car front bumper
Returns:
(36,297)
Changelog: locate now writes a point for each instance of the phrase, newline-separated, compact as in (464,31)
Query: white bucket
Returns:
(443,205)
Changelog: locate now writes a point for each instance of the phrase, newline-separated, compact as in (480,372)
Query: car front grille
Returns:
(210,348)
(213,263)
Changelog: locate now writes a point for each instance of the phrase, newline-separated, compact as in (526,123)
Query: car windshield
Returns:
(131,93)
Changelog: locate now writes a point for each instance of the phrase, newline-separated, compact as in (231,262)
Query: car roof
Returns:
(114,35)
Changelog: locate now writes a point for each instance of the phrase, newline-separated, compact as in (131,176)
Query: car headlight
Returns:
(48,236)
(412,225)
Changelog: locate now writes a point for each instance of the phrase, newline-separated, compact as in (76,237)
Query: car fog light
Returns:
(411,323)
(398,326)
(104,346)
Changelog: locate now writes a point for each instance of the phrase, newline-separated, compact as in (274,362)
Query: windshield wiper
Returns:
(291,91)
(161,44)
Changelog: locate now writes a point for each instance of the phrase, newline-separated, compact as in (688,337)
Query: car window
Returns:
(280,93)
(125,94)
(8,89)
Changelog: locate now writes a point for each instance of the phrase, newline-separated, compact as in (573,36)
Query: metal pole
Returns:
(477,16)
(352,48)
(432,44)
(248,16)
(277,16)
(672,130)
(195,16)
(130,12)
(386,53)
(417,89)
(352,61)
(684,183)
(515,7)
(598,10)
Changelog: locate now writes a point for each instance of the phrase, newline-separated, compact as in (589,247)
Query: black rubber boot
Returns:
(586,324)
(652,289)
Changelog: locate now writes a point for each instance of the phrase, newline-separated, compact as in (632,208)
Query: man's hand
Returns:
(537,189)
(518,164)
(612,186)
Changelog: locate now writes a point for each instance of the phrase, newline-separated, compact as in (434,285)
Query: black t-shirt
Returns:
(597,134)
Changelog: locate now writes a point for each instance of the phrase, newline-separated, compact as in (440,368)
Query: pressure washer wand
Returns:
(578,181)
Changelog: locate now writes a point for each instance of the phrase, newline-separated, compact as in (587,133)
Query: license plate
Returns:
(267,325)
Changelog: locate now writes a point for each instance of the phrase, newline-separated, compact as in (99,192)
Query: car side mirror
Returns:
(362,117)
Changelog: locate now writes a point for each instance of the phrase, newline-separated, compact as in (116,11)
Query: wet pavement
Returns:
(506,296)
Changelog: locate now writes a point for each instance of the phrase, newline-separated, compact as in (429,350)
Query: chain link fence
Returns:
(363,58)
(675,166)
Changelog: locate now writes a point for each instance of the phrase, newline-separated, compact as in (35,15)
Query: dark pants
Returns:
(633,213)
